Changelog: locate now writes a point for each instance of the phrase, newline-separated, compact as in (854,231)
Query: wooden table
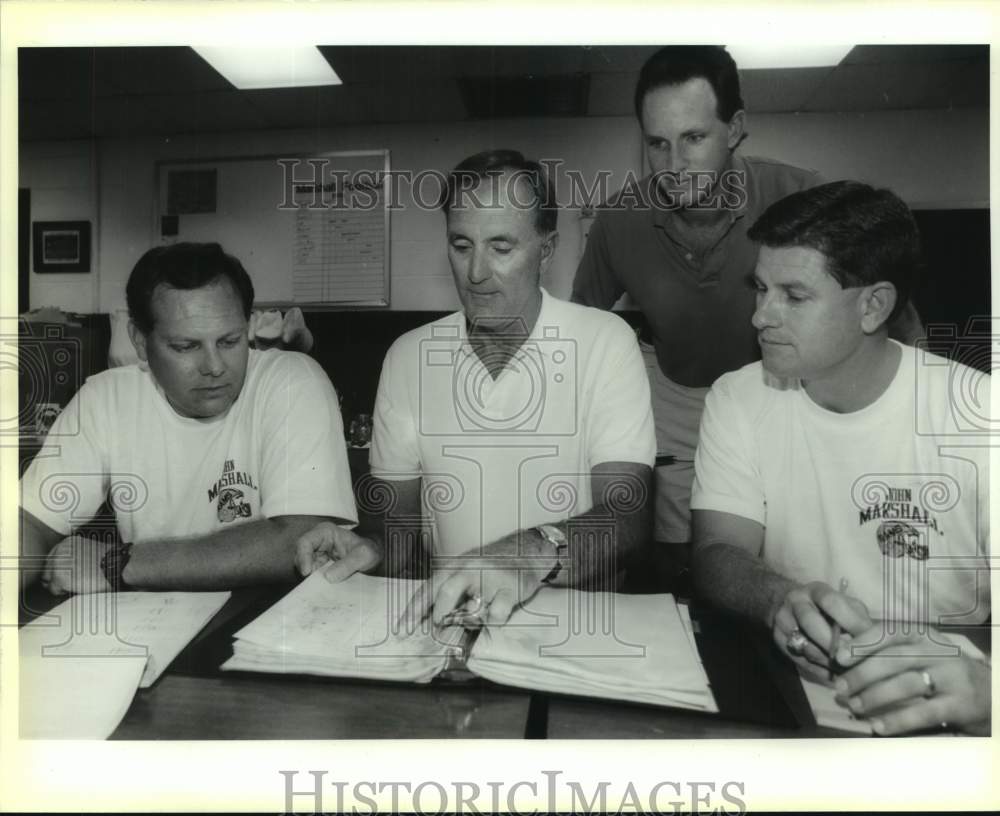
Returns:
(758,695)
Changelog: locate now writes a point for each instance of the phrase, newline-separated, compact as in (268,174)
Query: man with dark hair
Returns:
(523,420)
(677,244)
(843,459)
(214,457)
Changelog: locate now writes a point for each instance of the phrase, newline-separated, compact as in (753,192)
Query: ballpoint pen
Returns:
(835,640)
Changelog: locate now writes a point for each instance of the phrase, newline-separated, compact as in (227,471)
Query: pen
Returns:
(835,640)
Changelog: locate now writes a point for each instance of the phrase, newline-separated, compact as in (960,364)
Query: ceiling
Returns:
(72,93)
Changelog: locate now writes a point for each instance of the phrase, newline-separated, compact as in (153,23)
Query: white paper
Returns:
(345,629)
(601,644)
(80,663)
(76,697)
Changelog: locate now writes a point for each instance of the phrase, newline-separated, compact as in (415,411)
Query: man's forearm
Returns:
(733,579)
(257,552)
(597,544)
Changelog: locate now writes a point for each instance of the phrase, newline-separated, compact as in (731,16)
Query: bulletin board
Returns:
(311,229)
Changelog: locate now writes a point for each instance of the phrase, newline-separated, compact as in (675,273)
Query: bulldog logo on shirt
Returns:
(897,538)
(231,503)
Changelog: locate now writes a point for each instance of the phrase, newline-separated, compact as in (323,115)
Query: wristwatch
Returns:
(113,564)
(557,538)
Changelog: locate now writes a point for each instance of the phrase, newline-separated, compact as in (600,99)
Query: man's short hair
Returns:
(867,235)
(676,64)
(494,164)
(182,266)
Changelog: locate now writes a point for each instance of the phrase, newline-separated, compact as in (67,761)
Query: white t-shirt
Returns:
(279,450)
(894,497)
(502,455)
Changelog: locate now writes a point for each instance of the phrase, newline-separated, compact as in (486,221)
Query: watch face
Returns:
(553,534)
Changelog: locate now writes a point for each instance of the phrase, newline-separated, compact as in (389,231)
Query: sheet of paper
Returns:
(626,647)
(81,663)
(72,697)
(828,712)
(345,629)
(151,625)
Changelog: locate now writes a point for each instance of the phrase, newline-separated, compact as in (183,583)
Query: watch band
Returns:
(113,564)
(557,538)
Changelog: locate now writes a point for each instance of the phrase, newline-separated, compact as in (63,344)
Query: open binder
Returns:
(637,648)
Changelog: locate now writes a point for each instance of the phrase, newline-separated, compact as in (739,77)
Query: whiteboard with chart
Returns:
(312,230)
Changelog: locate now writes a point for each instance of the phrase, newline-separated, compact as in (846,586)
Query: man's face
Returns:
(684,136)
(806,323)
(496,253)
(197,349)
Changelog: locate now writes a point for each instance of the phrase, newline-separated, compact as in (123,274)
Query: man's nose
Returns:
(212,364)
(676,160)
(479,269)
(764,315)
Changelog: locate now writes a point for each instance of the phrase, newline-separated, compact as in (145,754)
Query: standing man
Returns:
(522,421)
(215,457)
(677,244)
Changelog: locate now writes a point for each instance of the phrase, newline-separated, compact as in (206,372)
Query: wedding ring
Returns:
(796,643)
(931,685)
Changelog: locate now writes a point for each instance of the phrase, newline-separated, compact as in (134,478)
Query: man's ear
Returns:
(737,126)
(549,245)
(138,340)
(877,303)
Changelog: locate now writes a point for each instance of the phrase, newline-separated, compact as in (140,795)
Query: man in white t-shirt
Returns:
(215,458)
(522,423)
(844,460)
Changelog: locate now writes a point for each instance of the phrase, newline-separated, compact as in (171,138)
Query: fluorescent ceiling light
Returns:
(762,55)
(251,68)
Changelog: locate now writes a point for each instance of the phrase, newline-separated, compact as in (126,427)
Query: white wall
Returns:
(931,158)
(61,177)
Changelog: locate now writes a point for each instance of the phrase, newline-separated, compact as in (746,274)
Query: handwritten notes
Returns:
(346,629)
(82,662)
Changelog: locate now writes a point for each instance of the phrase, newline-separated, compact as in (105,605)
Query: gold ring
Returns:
(929,683)
(796,643)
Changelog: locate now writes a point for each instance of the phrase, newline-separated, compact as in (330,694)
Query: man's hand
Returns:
(485,590)
(349,552)
(811,610)
(73,566)
(902,688)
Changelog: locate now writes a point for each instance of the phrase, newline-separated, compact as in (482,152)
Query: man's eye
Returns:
(695,138)
(793,298)
(460,247)
(229,342)
(182,347)
(502,249)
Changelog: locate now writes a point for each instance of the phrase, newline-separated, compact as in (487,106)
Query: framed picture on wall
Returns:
(61,246)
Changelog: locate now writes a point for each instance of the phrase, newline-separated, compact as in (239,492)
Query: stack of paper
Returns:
(638,648)
(81,663)
(346,629)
